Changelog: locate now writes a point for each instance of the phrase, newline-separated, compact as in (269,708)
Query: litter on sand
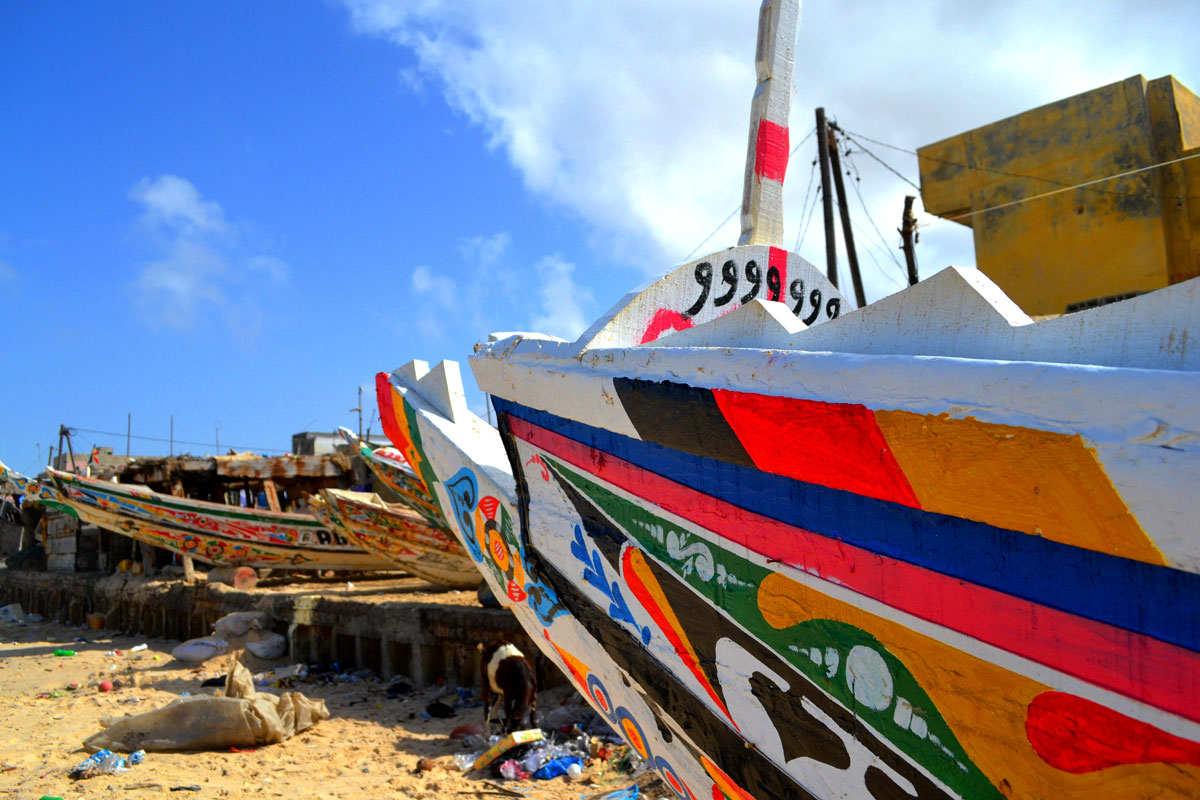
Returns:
(240,717)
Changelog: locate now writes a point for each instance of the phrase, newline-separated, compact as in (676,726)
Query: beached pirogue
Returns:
(413,534)
(927,548)
(212,532)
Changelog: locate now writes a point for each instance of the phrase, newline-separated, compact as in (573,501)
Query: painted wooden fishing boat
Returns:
(390,467)
(211,532)
(927,548)
(399,535)
(44,492)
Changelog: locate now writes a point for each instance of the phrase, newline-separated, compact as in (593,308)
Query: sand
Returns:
(369,748)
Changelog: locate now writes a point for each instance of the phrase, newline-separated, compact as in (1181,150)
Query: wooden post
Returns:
(826,197)
(147,560)
(189,569)
(835,160)
(272,494)
(908,224)
(768,148)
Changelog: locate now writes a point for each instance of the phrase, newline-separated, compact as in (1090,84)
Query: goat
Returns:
(508,676)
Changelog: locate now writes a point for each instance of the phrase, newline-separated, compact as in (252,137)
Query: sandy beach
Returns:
(368,748)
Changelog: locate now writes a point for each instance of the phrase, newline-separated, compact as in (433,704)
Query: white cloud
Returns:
(172,201)
(176,291)
(485,250)
(561,300)
(634,114)
(202,261)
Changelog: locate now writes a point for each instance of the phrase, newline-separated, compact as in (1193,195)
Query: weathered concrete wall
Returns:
(422,640)
(1136,233)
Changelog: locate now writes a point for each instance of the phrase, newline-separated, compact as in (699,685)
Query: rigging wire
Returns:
(812,172)
(177,441)
(811,213)
(738,207)
(863,203)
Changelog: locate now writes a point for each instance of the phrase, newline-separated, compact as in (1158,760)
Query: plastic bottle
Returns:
(62,652)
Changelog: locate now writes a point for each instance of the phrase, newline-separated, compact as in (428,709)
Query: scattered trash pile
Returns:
(572,738)
(237,717)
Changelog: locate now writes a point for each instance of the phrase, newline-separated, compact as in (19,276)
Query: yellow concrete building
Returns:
(1067,249)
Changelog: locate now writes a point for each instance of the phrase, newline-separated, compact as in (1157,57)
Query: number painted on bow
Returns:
(704,276)
(754,276)
(729,275)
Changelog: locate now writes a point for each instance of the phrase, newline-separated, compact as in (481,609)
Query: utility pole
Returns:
(359,410)
(128,430)
(217,430)
(844,211)
(908,224)
(172,451)
(826,197)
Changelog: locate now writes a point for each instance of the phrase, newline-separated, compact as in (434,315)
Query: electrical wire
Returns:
(1084,185)
(878,232)
(812,172)
(886,165)
(738,207)
(177,441)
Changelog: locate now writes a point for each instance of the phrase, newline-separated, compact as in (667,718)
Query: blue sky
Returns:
(236,213)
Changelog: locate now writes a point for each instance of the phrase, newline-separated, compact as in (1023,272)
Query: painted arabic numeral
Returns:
(814,299)
(728,275)
(833,308)
(754,275)
(796,290)
(704,274)
(774,283)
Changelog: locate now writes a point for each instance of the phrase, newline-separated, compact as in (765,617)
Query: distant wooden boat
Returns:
(928,548)
(41,491)
(398,534)
(390,467)
(211,532)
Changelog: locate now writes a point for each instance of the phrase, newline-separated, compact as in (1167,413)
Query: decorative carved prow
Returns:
(767,153)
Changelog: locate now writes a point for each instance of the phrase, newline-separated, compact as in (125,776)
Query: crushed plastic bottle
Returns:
(102,762)
(466,761)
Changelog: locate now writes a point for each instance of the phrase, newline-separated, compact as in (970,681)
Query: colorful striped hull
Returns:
(832,573)
(213,533)
(399,535)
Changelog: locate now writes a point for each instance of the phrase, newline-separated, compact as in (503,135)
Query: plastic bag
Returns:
(557,767)
(239,623)
(195,651)
(267,645)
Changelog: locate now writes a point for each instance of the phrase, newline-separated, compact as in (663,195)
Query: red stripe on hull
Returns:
(838,445)
(1128,663)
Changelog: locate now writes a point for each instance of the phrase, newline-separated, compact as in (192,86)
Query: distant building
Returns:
(1051,250)
(99,459)
(316,443)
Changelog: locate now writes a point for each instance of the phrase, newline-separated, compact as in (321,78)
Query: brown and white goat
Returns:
(508,675)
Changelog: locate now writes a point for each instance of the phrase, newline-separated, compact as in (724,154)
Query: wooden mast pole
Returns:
(768,149)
